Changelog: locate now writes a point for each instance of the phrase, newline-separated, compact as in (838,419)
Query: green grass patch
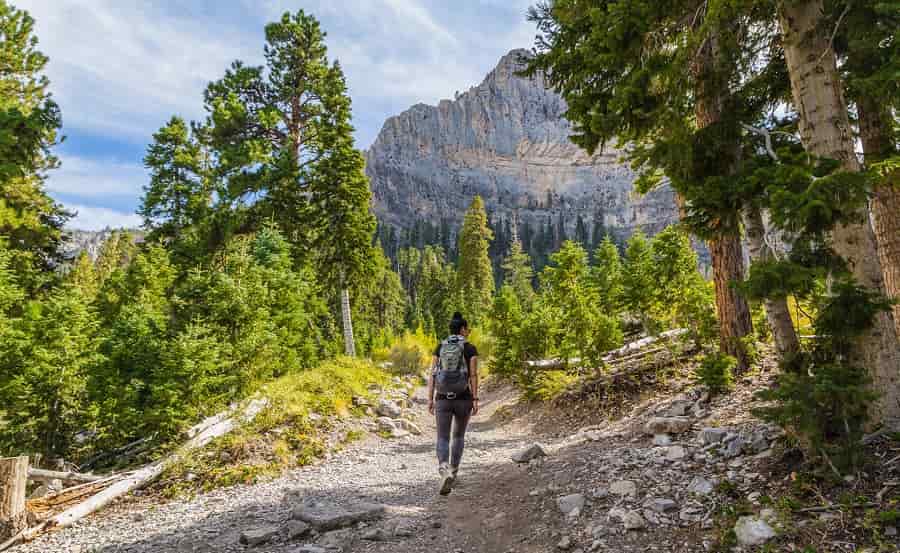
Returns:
(288,433)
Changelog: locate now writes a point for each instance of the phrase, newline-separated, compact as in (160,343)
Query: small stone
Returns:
(667,425)
(709,436)
(890,531)
(753,497)
(623,487)
(733,448)
(387,408)
(325,516)
(531,452)
(679,408)
(404,529)
(409,426)
(375,534)
(571,505)
(259,535)
(598,530)
(296,529)
(753,531)
(310,549)
(675,453)
(701,486)
(662,439)
(565,543)
(600,493)
(632,520)
(662,505)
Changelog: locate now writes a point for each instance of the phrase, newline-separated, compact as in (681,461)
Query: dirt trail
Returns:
(399,473)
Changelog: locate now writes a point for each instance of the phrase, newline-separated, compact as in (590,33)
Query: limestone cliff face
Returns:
(507,140)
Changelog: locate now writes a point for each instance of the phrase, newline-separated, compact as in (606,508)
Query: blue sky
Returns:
(120,69)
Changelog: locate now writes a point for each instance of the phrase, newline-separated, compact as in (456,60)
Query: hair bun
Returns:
(457,316)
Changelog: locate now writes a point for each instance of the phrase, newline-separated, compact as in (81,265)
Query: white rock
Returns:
(571,505)
(259,535)
(661,505)
(623,487)
(662,439)
(709,436)
(675,453)
(701,486)
(753,531)
(387,408)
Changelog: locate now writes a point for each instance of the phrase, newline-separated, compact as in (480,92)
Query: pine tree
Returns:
(638,281)
(283,134)
(607,275)
(518,274)
(29,120)
(178,194)
(475,279)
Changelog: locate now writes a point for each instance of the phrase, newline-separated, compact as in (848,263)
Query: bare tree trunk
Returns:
(825,131)
(726,252)
(886,203)
(349,343)
(777,314)
(731,308)
(13,480)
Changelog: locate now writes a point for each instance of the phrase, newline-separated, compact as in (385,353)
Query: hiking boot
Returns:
(453,472)
(446,478)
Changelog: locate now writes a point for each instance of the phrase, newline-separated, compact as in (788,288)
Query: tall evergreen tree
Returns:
(30,220)
(607,274)
(285,147)
(475,278)
(518,274)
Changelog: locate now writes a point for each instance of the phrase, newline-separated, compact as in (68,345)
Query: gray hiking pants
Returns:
(455,413)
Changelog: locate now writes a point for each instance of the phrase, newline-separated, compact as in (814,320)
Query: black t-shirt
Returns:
(469,351)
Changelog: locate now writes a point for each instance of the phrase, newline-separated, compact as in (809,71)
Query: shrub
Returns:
(716,371)
(411,353)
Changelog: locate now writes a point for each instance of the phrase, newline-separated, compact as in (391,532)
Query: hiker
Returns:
(453,397)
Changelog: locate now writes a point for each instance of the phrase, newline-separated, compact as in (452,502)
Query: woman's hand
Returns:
(474,407)
(431,407)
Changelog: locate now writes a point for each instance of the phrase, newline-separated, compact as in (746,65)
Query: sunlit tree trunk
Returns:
(825,131)
(346,319)
(886,203)
(777,314)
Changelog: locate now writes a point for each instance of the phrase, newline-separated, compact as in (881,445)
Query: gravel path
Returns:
(400,473)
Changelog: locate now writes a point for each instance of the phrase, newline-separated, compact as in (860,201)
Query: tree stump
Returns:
(13,480)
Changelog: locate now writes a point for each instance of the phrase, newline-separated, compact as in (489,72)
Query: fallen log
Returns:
(42,507)
(211,429)
(627,349)
(42,475)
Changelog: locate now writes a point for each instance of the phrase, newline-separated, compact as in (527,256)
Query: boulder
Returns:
(571,505)
(531,452)
(324,516)
(667,425)
(259,535)
(753,531)
(679,408)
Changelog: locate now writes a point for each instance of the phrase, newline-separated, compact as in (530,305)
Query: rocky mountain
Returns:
(507,140)
(91,241)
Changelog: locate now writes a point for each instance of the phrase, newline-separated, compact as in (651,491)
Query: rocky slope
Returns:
(507,140)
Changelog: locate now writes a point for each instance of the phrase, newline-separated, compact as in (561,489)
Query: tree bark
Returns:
(731,308)
(825,130)
(13,481)
(777,314)
(349,343)
(886,203)
(726,252)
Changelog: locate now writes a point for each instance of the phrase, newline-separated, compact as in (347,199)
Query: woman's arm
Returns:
(473,382)
(434,362)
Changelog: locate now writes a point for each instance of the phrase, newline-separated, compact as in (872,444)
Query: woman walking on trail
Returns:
(453,397)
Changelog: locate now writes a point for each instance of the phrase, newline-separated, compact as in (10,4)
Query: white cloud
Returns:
(96,178)
(120,68)
(99,218)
